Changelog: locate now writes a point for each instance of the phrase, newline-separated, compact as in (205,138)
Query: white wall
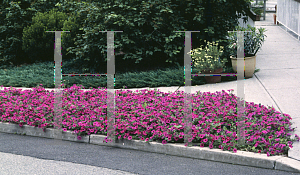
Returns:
(288,15)
(250,22)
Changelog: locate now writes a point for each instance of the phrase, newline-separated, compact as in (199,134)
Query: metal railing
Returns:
(57,118)
(288,15)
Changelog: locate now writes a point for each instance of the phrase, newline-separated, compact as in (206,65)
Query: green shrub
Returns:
(11,22)
(38,44)
(14,16)
(148,28)
(257,11)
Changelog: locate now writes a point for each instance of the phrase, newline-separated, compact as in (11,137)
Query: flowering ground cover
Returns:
(154,116)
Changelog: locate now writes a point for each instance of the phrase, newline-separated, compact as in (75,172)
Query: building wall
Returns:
(250,22)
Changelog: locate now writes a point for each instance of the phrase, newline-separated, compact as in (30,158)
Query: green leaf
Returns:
(150,52)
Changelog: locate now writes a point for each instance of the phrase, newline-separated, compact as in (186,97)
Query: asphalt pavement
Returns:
(34,155)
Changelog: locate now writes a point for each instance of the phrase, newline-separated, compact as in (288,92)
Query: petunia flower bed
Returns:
(153,116)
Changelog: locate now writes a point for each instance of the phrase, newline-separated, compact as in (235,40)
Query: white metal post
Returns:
(57,117)
(187,89)
(111,103)
(58,83)
(110,81)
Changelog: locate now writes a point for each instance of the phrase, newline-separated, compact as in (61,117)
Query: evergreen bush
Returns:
(149,28)
(38,44)
(14,16)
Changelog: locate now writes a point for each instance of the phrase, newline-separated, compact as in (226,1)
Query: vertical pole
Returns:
(57,117)
(287,16)
(298,20)
(188,83)
(58,92)
(58,83)
(240,88)
(264,9)
(187,89)
(110,86)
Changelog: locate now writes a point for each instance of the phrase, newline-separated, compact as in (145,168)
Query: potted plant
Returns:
(207,60)
(252,43)
(258,12)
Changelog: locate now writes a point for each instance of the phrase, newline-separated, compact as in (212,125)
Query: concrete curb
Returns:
(176,149)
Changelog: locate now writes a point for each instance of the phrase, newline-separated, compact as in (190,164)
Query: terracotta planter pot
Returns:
(249,66)
(213,79)
(257,17)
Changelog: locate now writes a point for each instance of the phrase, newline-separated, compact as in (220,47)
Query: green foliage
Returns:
(208,58)
(42,73)
(79,10)
(14,16)
(11,22)
(252,40)
(38,43)
(257,11)
(261,3)
(149,27)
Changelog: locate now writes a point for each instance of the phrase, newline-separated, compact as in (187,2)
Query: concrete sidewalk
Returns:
(274,85)
(279,63)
